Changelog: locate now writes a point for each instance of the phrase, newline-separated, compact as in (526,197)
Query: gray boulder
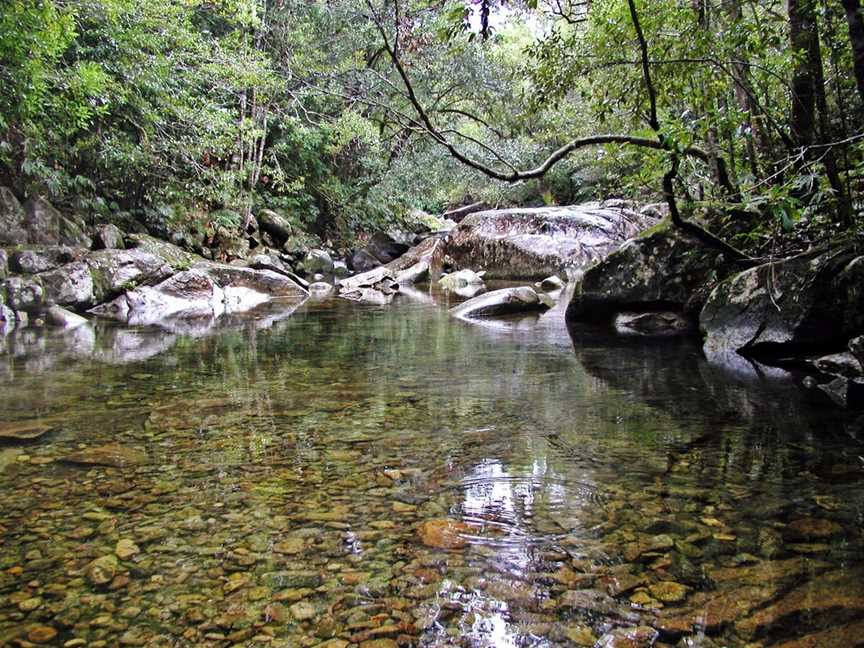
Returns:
(42,221)
(418,272)
(174,256)
(12,229)
(318,261)
(500,302)
(275,225)
(7,319)
(814,300)
(4,264)
(115,270)
(109,237)
(24,293)
(839,364)
(856,346)
(537,242)
(461,279)
(72,232)
(320,290)
(69,285)
(40,259)
(363,261)
(661,269)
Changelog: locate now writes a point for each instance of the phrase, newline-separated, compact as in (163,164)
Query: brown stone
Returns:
(41,634)
(113,455)
(848,635)
(444,533)
(811,528)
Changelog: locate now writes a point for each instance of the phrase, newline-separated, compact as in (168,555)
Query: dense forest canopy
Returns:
(345,116)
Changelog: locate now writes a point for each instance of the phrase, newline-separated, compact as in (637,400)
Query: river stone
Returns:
(500,302)
(668,591)
(340,269)
(459,279)
(109,237)
(811,528)
(174,256)
(102,570)
(113,455)
(41,634)
(270,283)
(551,283)
(40,259)
(126,548)
(444,533)
(638,637)
(418,272)
(533,243)
(23,430)
(12,229)
(811,300)
(69,285)
(303,611)
(42,221)
(320,290)
(24,294)
(4,263)
(7,319)
(661,269)
(62,318)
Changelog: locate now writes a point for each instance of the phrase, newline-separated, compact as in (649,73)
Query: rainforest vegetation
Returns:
(344,116)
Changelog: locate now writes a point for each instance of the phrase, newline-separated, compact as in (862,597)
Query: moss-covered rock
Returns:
(662,268)
(814,301)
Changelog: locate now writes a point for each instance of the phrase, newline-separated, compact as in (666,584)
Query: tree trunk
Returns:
(855,19)
(802,34)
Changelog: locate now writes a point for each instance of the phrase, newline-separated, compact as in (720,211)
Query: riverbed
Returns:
(339,474)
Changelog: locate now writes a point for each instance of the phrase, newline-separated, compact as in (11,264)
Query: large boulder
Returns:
(114,270)
(363,261)
(42,221)
(500,302)
(275,225)
(208,290)
(661,269)
(814,301)
(73,233)
(174,256)
(12,230)
(534,243)
(109,237)
(69,285)
(318,261)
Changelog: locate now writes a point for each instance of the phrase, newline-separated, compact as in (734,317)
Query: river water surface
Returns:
(351,475)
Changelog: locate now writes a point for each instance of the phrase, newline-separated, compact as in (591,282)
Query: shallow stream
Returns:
(344,475)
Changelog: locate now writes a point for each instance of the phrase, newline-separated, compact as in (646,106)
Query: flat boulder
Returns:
(59,317)
(461,279)
(500,302)
(811,301)
(533,243)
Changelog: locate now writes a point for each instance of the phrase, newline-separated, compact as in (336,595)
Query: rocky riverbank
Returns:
(628,269)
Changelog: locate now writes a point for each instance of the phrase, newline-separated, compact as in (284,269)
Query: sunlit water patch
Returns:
(346,475)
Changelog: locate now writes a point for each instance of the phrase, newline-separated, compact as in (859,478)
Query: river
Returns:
(342,474)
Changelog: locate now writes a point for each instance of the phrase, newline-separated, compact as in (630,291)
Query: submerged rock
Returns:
(23,430)
(500,302)
(114,455)
(444,533)
(533,243)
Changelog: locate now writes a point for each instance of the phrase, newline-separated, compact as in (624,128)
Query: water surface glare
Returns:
(344,475)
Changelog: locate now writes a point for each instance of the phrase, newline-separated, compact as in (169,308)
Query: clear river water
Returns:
(348,475)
